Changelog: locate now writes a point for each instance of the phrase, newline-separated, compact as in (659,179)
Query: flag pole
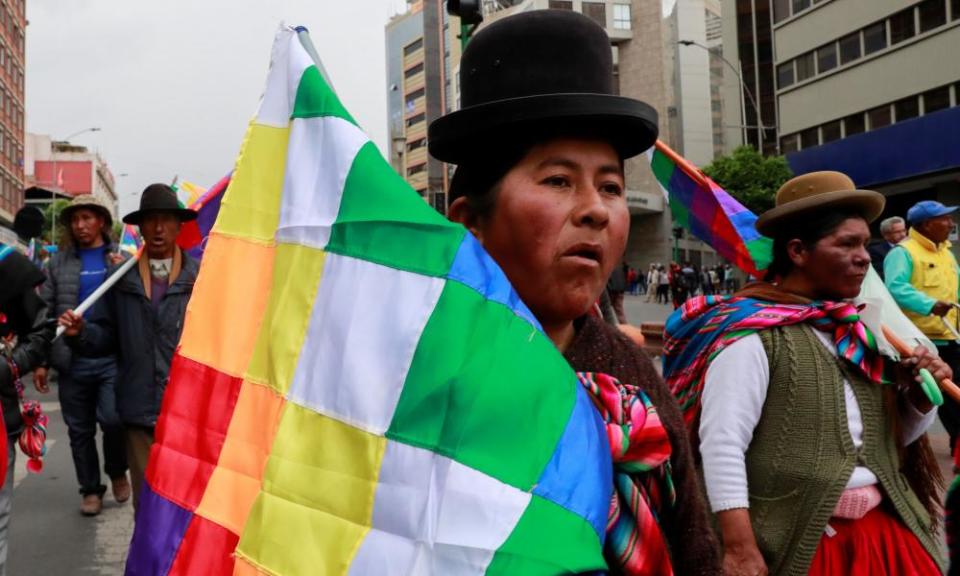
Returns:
(102,289)
(684,164)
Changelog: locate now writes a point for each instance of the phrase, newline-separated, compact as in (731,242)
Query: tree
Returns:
(55,208)
(750,177)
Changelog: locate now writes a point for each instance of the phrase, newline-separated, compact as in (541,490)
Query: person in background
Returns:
(25,338)
(814,449)
(617,287)
(653,280)
(86,384)
(893,230)
(140,320)
(921,275)
(663,284)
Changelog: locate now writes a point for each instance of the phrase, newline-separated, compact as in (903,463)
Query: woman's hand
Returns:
(743,562)
(910,374)
(40,381)
(71,322)
(741,556)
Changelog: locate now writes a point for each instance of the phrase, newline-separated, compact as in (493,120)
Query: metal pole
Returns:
(743,85)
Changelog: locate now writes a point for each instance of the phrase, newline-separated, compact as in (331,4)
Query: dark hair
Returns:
(808,230)
(478,180)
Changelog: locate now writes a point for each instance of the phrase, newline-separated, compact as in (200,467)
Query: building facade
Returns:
(60,170)
(13,25)
(867,88)
(423,50)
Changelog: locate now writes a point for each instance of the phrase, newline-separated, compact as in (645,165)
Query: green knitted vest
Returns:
(802,455)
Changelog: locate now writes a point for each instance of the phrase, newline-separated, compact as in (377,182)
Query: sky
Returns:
(173,84)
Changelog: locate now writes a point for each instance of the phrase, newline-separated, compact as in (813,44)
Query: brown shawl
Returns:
(598,347)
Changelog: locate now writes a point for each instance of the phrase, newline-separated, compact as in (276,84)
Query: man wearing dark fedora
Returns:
(140,319)
(86,383)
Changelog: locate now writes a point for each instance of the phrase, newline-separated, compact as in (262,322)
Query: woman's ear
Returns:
(460,212)
(797,252)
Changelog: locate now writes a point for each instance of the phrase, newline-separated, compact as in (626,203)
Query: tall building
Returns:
(867,88)
(423,50)
(13,24)
(60,170)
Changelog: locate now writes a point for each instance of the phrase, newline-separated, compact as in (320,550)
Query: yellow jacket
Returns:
(918,274)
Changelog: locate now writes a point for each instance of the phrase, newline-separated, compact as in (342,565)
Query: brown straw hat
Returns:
(90,202)
(815,191)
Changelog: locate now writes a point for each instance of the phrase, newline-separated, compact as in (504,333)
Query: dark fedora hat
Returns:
(543,70)
(159,198)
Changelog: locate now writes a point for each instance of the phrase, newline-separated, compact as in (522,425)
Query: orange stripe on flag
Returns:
(237,479)
(228,303)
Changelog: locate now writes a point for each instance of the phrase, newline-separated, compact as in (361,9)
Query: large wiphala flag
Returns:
(358,389)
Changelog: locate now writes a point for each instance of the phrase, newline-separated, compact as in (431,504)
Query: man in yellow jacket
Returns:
(922,275)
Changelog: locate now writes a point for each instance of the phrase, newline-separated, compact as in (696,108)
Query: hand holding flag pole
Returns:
(102,289)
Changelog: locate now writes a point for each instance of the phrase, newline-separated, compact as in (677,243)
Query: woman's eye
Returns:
(612,188)
(557,181)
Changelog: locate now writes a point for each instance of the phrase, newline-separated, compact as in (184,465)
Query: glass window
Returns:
(805,68)
(854,124)
(414,170)
(413,47)
(955,9)
(902,26)
(933,13)
(413,71)
(416,119)
(850,48)
(936,99)
(831,131)
(416,144)
(907,108)
(799,5)
(785,75)
(810,138)
(879,117)
(781,10)
(875,37)
(826,58)
(596,11)
(561,4)
(789,144)
(621,16)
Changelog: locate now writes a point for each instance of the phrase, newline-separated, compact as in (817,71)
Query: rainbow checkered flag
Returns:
(358,389)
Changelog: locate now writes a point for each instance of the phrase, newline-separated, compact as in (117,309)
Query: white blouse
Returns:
(732,402)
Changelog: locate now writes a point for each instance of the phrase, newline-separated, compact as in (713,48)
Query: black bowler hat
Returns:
(543,70)
(159,198)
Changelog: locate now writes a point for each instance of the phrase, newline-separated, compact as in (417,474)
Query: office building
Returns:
(867,88)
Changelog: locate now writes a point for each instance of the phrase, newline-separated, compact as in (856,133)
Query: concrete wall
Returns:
(899,71)
(732,93)
(694,65)
(829,21)
(400,32)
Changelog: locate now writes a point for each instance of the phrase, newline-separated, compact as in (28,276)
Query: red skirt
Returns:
(874,545)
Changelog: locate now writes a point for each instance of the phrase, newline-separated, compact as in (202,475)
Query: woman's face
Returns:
(559,226)
(838,263)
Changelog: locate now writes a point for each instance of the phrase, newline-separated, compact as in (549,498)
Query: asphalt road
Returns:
(48,535)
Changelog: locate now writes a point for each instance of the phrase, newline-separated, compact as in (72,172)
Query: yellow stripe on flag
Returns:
(284,325)
(251,205)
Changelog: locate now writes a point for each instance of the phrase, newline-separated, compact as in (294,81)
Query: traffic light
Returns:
(678,232)
(469,11)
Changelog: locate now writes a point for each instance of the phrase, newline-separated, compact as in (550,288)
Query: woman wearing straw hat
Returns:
(813,445)
(539,146)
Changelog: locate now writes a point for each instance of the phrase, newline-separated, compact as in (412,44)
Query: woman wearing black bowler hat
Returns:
(540,145)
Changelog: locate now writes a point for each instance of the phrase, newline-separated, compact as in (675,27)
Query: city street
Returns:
(48,535)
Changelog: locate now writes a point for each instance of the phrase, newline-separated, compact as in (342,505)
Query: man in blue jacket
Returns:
(140,319)
(86,383)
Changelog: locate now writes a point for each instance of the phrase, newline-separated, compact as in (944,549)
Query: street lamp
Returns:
(760,127)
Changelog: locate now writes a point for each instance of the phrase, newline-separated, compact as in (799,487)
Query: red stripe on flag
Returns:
(207,550)
(197,407)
